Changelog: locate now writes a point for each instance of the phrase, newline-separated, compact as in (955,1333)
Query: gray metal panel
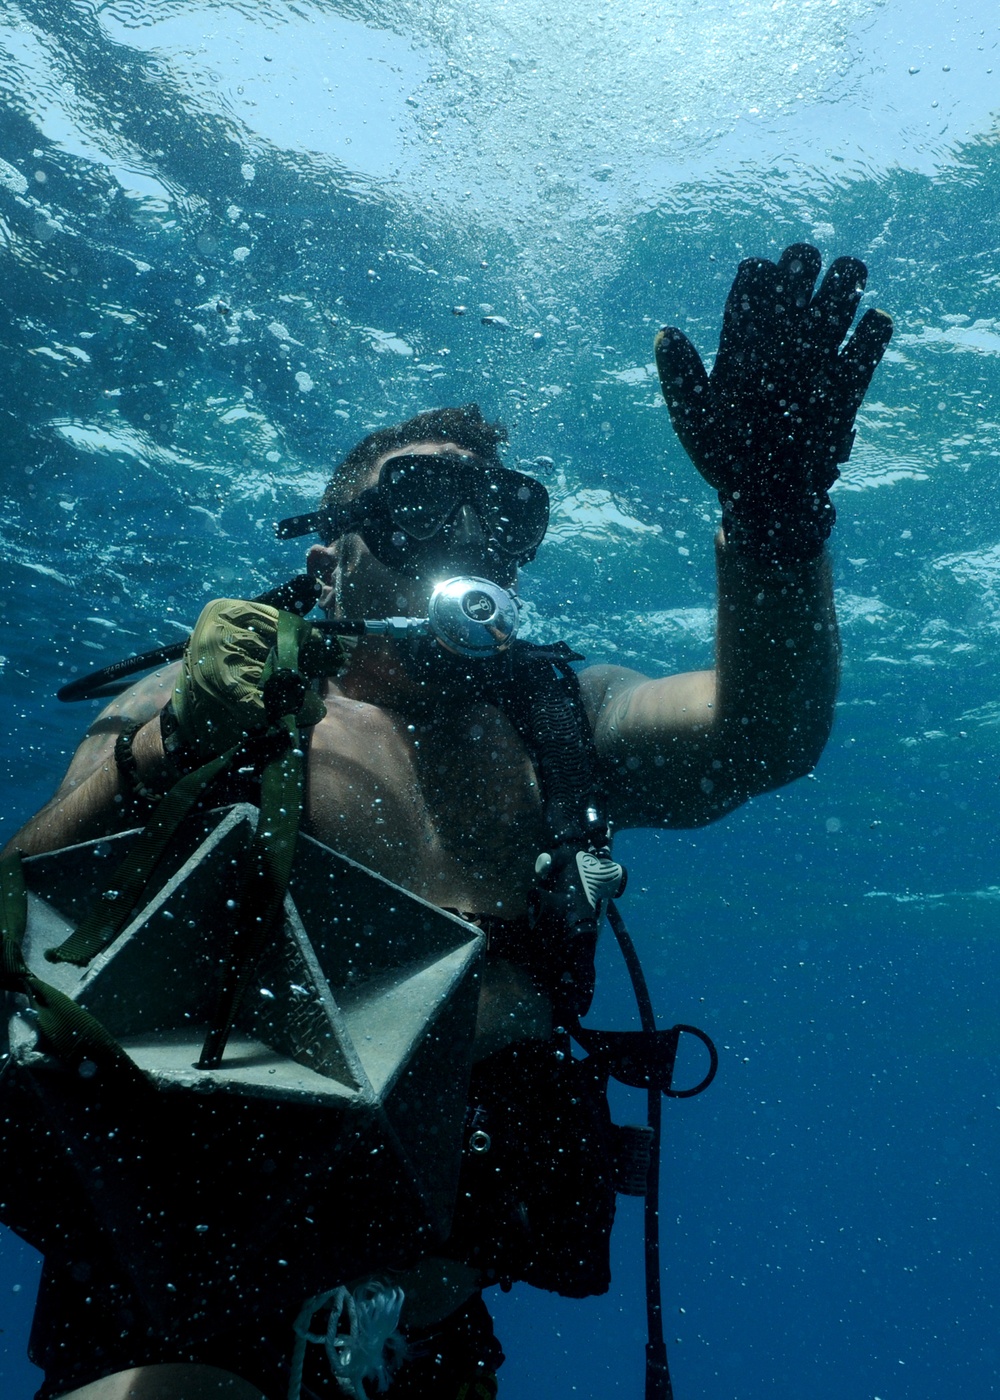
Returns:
(343,1087)
(289,1006)
(160,972)
(390,928)
(346,988)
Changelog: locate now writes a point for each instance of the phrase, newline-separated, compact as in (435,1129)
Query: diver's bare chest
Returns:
(450,809)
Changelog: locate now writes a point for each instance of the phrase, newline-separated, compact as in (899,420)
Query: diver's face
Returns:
(357,584)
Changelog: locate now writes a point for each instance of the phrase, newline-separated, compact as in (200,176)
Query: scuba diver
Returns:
(432,773)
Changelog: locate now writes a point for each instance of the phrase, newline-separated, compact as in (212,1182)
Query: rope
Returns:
(371,1348)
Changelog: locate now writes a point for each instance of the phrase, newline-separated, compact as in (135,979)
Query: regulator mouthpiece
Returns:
(472,616)
(467,616)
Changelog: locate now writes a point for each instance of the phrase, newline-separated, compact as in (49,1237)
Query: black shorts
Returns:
(86,1327)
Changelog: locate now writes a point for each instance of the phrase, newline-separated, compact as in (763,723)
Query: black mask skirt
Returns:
(404,518)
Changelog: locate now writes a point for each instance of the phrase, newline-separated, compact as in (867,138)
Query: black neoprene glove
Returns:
(771,424)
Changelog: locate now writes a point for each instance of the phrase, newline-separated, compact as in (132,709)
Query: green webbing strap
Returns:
(13,921)
(71,1032)
(271,851)
(116,905)
(263,893)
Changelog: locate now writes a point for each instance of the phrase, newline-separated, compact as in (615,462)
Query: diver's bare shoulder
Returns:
(657,743)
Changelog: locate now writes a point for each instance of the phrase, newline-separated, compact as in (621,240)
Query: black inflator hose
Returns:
(298,595)
(658,1386)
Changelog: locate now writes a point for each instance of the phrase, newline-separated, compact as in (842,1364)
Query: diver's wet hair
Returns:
(464,426)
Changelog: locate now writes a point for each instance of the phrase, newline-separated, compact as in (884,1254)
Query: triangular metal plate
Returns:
(363,1008)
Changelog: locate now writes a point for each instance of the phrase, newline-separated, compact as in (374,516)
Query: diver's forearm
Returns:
(81,814)
(778,663)
(94,806)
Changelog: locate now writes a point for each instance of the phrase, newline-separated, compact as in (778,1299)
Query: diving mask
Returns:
(404,517)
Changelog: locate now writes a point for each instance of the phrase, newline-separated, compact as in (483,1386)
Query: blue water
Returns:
(233,238)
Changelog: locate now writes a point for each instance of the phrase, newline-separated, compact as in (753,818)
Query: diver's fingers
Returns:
(682,375)
(837,300)
(798,268)
(750,313)
(685,388)
(860,356)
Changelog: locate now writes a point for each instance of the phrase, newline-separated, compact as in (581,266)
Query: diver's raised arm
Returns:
(768,429)
(686,749)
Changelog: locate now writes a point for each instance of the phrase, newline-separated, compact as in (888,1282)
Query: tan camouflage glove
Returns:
(219,695)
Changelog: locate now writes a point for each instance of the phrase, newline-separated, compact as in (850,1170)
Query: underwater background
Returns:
(235,237)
